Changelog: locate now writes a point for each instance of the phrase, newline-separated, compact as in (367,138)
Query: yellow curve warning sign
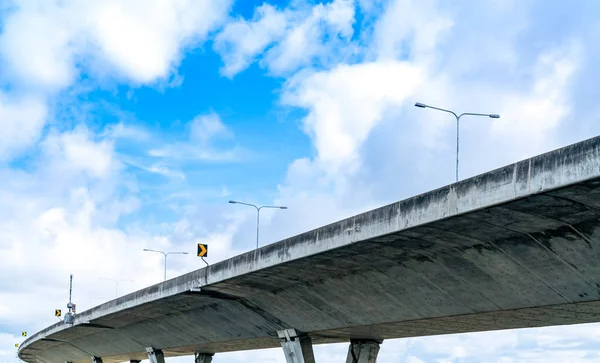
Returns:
(202,250)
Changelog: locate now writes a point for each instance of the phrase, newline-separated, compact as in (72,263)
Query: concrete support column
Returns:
(297,348)
(96,359)
(204,357)
(155,355)
(134,361)
(363,351)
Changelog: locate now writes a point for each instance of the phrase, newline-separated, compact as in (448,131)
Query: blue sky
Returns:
(130,124)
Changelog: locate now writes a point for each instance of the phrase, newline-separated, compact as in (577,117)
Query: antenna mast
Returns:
(69,319)
(70,291)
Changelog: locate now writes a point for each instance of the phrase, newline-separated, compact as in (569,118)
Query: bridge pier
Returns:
(96,359)
(204,357)
(363,351)
(297,348)
(155,355)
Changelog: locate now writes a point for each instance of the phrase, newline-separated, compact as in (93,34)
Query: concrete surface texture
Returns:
(515,247)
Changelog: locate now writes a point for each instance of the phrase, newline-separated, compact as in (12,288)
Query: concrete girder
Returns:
(513,248)
(363,351)
(204,357)
(296,347)
(155,355)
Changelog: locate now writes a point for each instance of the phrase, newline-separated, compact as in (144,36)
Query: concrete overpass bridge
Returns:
(512,248)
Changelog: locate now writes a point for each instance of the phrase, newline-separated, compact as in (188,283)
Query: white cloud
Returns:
(205,128)
(143,40)
(537,113)
(188,151)
(7,344)
(306,41)
(205,133)
(158,168)
(75,151)
(67,209)
(410,29)
(240,41)
(123,131)
(36,46)
(346,103)
(293,38)
(45,43)
(21,121)
(365,129)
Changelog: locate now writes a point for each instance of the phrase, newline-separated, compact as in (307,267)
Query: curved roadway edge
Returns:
(559,168)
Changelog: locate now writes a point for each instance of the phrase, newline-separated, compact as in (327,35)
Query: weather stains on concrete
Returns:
(515,247)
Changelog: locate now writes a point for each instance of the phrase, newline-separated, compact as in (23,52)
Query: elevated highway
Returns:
(512,248)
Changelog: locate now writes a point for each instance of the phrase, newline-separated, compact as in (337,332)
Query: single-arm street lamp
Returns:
(166,254)
(491,115)
(257,213)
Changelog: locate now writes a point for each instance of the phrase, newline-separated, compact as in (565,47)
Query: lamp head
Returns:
(493,115)
(282,207)
(421,105)
(232,201)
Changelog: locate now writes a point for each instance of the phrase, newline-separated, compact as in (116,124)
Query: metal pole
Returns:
(70,287)
(257,225)
(490,115)
(165,254)
(457,143)
(258,214)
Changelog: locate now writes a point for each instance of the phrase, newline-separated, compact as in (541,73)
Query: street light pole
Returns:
(490,115)
(166,254)
(117,283)
(257,213)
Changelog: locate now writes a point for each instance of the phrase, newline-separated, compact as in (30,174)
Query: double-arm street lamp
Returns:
(491,115)
(166,254)
(117,283)
(257,213)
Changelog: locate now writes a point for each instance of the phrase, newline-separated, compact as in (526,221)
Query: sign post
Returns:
(203,252)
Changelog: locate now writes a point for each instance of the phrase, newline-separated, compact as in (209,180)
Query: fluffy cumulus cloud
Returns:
(352,68)
(73,184)
(364,126)
(287,39)
(46,45)
(240,41)
(21,119)
(61,206)
(66,210)
(138,41)
(346,103)
(207,127)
